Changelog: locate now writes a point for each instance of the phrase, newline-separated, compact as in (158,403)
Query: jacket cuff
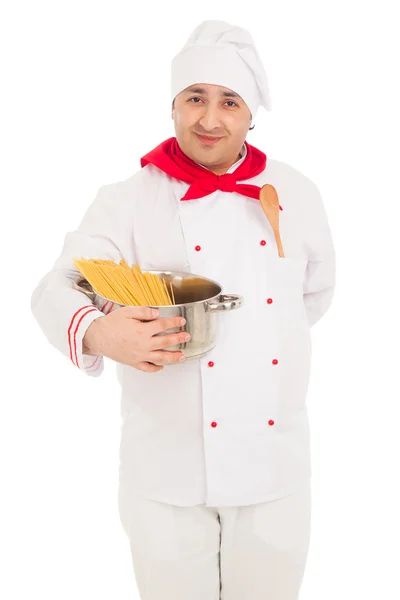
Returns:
(80,321)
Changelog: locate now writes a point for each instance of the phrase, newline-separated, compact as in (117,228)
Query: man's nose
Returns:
(210,120)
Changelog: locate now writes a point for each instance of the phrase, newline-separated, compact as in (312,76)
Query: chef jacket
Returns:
(230,428)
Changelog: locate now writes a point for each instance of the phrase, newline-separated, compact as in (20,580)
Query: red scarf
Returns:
(169,157)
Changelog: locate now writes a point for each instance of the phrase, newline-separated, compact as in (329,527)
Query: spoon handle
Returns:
(279,243)
(270,205)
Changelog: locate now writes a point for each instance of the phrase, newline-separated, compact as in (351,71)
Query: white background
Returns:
(85,95)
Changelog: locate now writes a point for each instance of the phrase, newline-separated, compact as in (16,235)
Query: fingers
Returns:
(141,313)
(159,342)
(164,324)
(166,357)
(163,356)
(147,367)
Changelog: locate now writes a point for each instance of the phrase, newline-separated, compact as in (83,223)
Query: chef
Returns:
(214,476)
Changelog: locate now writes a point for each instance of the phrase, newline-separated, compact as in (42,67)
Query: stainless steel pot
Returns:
(198,300)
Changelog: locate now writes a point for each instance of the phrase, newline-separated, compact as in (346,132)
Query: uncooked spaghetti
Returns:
(125,285)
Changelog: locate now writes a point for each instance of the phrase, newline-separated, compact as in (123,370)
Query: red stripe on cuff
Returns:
(94,362)
(99,357)
(76,331)
(70,327)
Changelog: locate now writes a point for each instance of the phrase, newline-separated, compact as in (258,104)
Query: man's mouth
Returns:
(206,139)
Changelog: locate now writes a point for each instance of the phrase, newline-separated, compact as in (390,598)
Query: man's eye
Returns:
(195,98)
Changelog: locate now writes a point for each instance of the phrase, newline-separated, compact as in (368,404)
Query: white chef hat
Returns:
(222,54)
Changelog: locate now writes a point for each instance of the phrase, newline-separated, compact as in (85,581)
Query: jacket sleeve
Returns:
(62,312)
(320,276)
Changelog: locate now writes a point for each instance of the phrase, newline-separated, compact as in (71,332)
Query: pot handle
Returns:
(225,302)
(82,285)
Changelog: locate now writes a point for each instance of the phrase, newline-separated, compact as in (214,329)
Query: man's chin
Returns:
(199,153)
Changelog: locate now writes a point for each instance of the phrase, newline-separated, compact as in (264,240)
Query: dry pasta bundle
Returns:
(125,285)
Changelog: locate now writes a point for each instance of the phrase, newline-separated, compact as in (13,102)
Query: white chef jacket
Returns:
(231,428)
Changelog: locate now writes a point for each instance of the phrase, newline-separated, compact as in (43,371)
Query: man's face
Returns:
(213,111)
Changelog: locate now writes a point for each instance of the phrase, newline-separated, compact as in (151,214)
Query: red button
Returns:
(275,361)
(280,207)
(271,422)
(270,301)
(263,242)
(213,424)
(211,364)
(198,248)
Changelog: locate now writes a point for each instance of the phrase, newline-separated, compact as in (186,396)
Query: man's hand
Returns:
(123,337)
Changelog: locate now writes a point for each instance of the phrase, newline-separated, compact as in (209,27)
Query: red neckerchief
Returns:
(169,157)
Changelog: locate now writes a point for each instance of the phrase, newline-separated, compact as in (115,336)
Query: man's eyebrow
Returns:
(197,90)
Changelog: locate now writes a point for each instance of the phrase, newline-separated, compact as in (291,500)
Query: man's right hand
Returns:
(122,336)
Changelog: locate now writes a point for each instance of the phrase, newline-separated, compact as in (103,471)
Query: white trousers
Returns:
(255,552)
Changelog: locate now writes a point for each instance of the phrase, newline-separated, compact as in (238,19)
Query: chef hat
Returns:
(222,54)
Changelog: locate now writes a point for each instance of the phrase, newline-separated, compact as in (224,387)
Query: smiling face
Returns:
(211,123)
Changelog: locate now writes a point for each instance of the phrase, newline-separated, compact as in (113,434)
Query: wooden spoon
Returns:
(270,205)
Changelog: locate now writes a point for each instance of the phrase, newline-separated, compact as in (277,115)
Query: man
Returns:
(214,459)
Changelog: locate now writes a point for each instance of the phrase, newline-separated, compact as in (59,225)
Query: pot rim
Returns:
(158,272)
